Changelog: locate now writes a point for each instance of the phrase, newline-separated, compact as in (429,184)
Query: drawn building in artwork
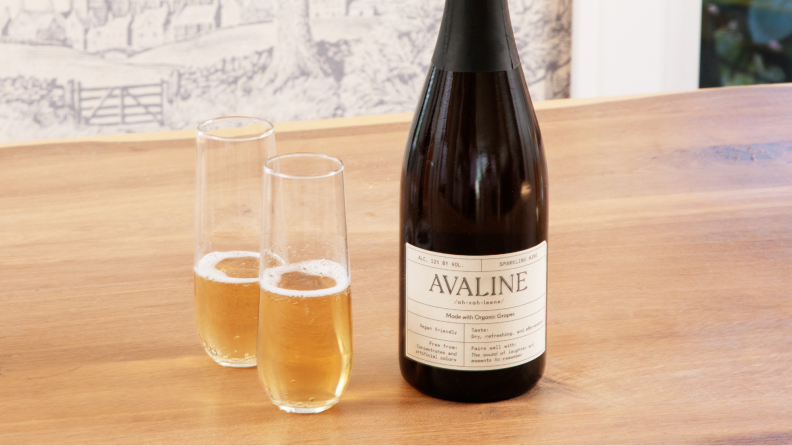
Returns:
(362,8)
(138,6)
(98,11)
(114,34)
(325,9)
(5,17)
(75,27)
(148,27)
(230,13)
(257,11)
(37,26)
(118,8)
(196,19)
(80,7)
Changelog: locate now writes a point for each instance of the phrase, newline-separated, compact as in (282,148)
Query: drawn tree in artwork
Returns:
(390,66)
(298,83)
(295,54)
(292,81)
(542,31)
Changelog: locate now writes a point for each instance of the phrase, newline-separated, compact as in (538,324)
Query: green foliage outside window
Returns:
(746,42)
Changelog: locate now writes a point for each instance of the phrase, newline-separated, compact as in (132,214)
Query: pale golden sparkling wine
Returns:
(226,305)
(305,335)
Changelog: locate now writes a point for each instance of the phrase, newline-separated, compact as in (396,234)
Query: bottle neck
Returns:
(476,36)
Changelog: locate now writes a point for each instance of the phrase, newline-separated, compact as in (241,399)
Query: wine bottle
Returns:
(473,237)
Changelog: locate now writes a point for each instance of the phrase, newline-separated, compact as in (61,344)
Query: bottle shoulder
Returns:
(474,111)
(479,121)
(474,175)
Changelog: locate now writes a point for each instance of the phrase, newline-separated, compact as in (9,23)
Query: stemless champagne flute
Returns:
(304,348)
(231,153)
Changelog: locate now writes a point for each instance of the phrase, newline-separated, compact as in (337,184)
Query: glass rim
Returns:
(203,133)
(268,171)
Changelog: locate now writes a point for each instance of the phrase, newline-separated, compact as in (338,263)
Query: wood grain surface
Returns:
(669,309)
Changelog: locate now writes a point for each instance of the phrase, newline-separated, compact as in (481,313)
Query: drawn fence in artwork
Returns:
(120,105)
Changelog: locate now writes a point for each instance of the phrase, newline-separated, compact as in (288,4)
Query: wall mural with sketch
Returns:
(87,67)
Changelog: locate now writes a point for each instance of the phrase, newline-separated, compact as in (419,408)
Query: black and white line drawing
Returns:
(86,67)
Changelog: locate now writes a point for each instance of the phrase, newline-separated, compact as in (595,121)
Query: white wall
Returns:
(622,47)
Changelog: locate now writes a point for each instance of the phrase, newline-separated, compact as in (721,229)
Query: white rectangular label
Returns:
(476,312)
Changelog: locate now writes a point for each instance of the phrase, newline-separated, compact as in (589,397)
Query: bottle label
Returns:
(476,312)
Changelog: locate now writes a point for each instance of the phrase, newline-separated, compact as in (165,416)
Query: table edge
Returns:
(338,123)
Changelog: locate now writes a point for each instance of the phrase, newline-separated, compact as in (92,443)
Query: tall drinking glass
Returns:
(230,158)
(305,327)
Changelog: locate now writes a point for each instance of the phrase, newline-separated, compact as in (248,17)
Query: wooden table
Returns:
(669,310)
